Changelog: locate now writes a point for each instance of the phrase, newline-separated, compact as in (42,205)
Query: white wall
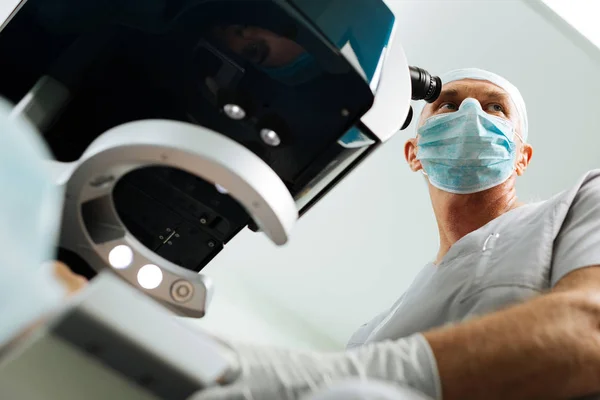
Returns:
(581,15)
(242,312)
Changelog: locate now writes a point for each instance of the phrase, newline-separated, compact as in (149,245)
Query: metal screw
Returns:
(161,237)
(270,137)
(177,235)
(170,243)
(168,229)
(211,244)
(345,112)
(234,111)
(203,221)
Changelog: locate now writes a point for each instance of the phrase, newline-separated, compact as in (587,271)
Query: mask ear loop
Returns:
(517,134)
(423,169)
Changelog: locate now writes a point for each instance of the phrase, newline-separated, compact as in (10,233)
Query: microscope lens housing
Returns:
(176,124)
(424,86)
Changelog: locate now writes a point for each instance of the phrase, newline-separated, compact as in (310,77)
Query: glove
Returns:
(279,374)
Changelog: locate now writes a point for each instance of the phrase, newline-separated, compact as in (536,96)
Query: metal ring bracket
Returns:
(93,229)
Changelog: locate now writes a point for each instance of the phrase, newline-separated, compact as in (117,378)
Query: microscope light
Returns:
(149,276)
(120,257)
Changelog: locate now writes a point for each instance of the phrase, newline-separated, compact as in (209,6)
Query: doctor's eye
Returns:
(448,107)
(495,108)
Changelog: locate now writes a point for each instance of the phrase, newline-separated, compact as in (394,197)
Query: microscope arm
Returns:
(93,228)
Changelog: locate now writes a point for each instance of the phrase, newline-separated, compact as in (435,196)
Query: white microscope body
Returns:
(229,117)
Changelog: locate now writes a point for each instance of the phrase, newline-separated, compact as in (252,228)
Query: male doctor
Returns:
(508,308)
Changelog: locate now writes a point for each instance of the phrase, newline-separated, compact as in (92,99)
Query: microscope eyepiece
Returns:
(424,85)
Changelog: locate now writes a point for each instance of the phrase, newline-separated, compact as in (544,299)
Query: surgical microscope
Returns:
(173,125)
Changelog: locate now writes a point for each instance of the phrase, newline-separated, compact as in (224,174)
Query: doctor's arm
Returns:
(546,348)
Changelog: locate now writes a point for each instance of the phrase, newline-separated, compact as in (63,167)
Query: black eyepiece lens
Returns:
(424,85)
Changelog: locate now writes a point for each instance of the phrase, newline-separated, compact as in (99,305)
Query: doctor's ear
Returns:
(523,158)
(410,153)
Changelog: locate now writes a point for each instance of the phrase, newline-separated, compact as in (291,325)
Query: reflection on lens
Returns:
(149,276)
(120,257)
(221,189)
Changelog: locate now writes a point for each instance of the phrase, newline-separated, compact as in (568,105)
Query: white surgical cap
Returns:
(480,74)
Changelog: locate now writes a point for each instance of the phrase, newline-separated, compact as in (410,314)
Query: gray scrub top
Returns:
(511,259)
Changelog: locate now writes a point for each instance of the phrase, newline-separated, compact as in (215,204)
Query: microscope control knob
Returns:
(182,291)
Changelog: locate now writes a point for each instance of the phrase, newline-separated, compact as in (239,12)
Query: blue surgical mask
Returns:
(303,69)
(467,151)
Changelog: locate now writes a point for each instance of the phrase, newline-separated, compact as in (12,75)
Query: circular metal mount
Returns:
(92,227)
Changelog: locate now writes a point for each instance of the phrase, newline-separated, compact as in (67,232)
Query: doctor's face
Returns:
(494,101)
